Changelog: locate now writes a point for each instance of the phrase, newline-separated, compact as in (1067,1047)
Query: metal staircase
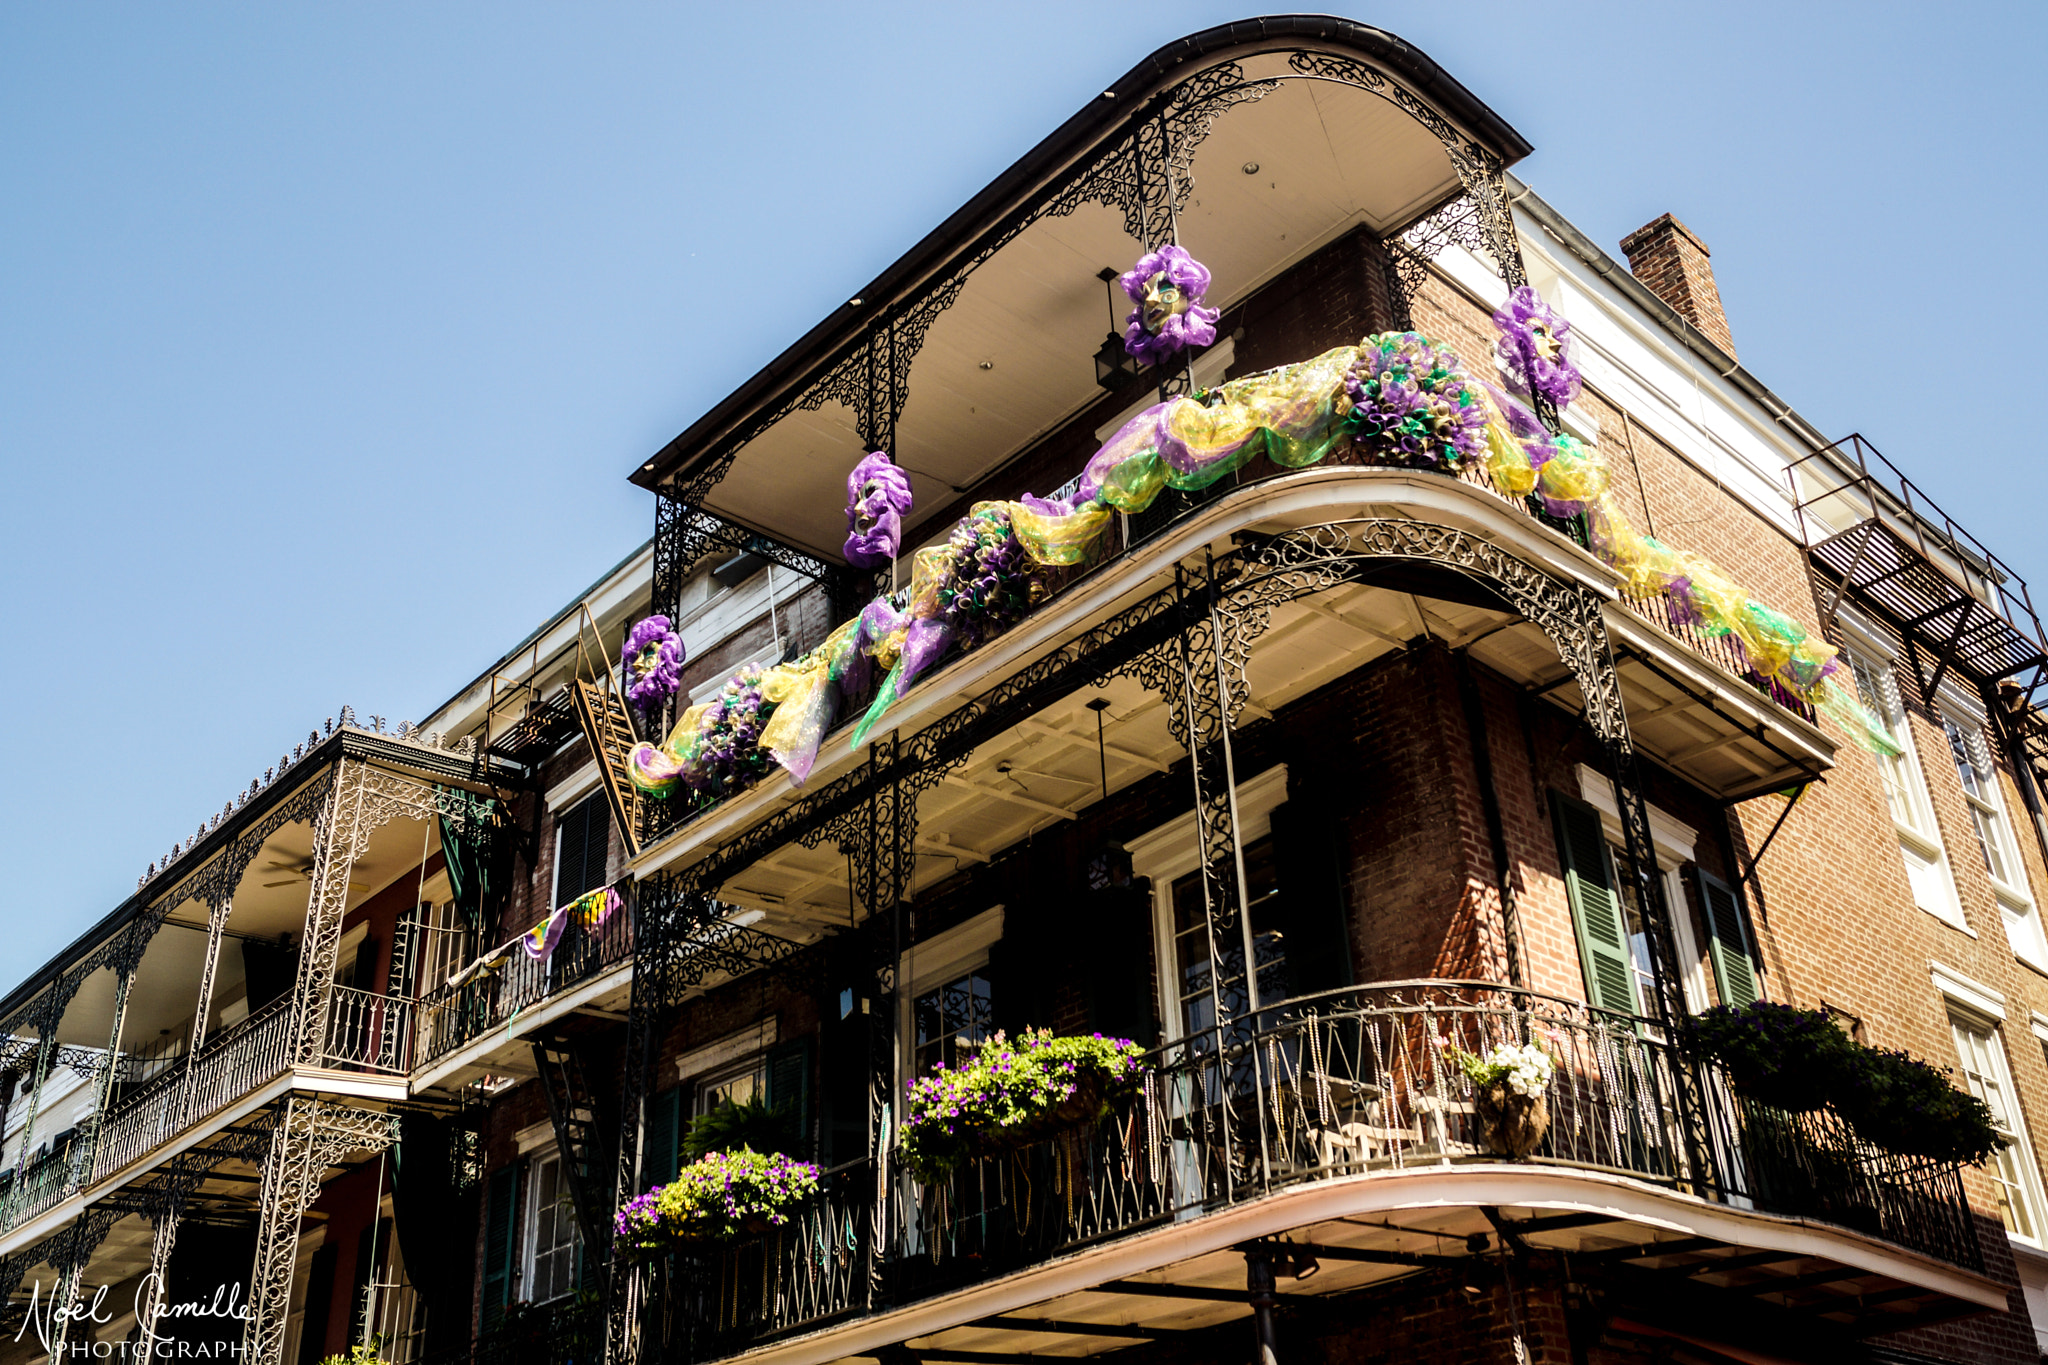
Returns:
(607,722)
(581,1125)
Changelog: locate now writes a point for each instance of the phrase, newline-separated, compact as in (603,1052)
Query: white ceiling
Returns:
(1329,157)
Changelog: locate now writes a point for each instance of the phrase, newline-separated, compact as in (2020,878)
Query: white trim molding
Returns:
(1972,995)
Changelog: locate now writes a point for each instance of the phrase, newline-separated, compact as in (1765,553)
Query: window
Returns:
(582,848)
(950,1019)
(1980,789)
(1906,794)
(1979,780)
(2012,1170)
(1170,857)
(1191,983)
(551,1250)
(743,1084)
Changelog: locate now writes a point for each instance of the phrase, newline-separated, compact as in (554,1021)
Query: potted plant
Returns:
(1508,1088)
(1899,1103)
(1011,1094)
(719,1196)
(1777,1055)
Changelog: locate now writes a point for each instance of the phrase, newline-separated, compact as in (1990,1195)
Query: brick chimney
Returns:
(1672,263)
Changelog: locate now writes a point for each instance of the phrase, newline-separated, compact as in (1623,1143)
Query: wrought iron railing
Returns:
(240,1059)
(236,1061)
(367,1031)
(449,1017)
(663,818)
(39,1188)
(818,1266)
(1345,1084)
(568,1332)
(140,1121)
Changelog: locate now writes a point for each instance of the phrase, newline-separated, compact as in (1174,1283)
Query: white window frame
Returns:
(1675,843)
(925,966)
(1172,851)
(2016,908)
(1919,834)
(1971,1003)
(529,1240)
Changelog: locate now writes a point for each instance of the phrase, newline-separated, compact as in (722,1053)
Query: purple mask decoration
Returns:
(652,662)
(877,496)
(1533,349)
(1167,286)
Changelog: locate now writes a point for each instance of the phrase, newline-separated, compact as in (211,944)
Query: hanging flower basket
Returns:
(1775,1055)
(1508,1088)
(720,1197)
(1010,1095)
(1511,1124)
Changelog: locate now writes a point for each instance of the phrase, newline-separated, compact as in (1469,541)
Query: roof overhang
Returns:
(992,319)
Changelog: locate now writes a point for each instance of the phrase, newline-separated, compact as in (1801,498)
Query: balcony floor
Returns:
(1190,1274)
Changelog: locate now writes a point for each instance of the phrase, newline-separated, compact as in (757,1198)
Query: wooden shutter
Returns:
(499,1243)
(659,1158)
(573,873)
(789,1085)
(1596,908)
(1728,942)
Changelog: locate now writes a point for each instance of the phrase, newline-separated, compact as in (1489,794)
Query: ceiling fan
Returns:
(301,872)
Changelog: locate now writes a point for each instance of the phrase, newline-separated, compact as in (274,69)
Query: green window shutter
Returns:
(1596,908)
(1728,942)
(789,1084)
(499,1242)
(664,1136)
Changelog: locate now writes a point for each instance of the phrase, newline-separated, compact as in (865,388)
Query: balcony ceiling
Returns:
(1011,359)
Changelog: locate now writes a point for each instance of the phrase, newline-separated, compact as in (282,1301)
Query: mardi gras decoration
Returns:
(1167,286)
(1413,404)
(877,496)
(716,747)
(591,909)
(652,662)
(1534,348)
(1401,397)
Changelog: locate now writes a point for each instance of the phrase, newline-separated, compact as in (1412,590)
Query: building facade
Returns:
(1300,776)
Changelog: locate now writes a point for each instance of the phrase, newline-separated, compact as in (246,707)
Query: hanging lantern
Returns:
(1113,362)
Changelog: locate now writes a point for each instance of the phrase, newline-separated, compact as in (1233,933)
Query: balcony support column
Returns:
(70,1250)
(149,1301)
(126,959)
(1258,1266)
(310,1136)
(1199,674)
(49,1014)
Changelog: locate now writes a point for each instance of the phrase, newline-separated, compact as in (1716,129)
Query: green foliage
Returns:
(1900,1103)
(721,1195)
(1776,1054)
(360,1354)
(1009,1092)
(751,1124)
(1799,1061)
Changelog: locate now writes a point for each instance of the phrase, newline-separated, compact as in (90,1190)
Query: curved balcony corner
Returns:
(1319,1121)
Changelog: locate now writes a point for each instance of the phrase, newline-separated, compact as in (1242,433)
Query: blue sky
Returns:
(328,334)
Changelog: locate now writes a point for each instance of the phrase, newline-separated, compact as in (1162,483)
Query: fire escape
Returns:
(1958,609)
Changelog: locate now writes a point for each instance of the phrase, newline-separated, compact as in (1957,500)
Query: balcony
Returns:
(1873,534)
(1338,1122)
(1696,708)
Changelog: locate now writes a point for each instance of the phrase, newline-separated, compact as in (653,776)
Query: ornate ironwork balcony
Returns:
(1353,1083)
(449,1017)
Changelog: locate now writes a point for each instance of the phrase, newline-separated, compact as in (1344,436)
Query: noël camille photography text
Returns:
(152,1309)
